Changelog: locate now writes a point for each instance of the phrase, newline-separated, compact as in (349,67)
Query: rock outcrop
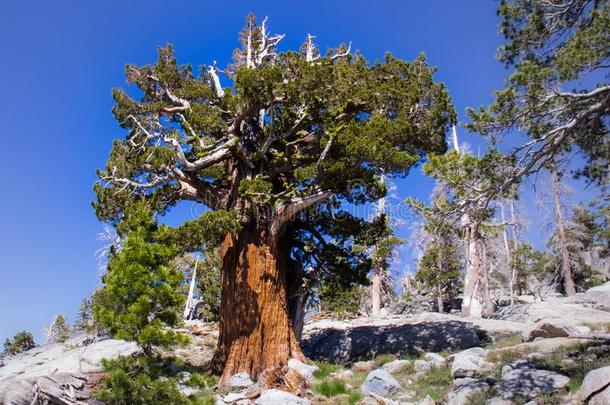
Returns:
(595,383)
(344,345)
(380,382)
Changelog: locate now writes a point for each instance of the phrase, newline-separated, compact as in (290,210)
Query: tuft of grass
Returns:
(504,342)
(436,382)
(477,398)
(325,369)
(582,359)
(574,384)
(380,360)
(330,388)
(409,356)
(504,356)
(354,397)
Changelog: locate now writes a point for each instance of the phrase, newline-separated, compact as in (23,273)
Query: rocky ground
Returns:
(551,352)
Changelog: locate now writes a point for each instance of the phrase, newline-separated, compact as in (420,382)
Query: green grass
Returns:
(504,356)
(435,383)
(583,358)
(354,397)
(380,360)
(409,356)
(504,342)
(330,388)
(325,369)
(477,398)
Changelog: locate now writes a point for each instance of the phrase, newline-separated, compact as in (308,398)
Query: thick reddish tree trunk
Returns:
(256,335)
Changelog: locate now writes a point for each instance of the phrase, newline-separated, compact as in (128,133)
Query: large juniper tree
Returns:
(293,132)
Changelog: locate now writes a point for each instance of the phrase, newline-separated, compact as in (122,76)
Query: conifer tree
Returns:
(140,299)
(558,93)
(294,131)
(460,178)
(21,342)
(440,268)
(58,330)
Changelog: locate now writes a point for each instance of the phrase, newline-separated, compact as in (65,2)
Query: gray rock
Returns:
(421,366)
(380,382)
(435,359)
(233,397)
(460,394)
(499,401)
(600,296)
(240,380)
(374,399)
(530,383)
(427,401)
(594,381)
(188,391)
(507,368)
(305,370)
(535,356)
(342,375)
(603,398)
(458,382)
(278,397)
(548,328)
(61,388)
(62,358)
(394,366)
(470,363)
(363,365)
(344,345)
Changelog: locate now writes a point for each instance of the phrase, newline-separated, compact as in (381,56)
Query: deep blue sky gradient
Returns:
(60,60)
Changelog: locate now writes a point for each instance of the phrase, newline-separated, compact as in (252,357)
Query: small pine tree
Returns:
(439,271)
(140,297)
(21,342)
(85,315)
(58,331)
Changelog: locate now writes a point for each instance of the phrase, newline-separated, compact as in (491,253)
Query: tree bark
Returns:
(378,268)
(488,306)
(509,256)
(439,298)
(256,335)
(376,291)
(472,301)
(566,268)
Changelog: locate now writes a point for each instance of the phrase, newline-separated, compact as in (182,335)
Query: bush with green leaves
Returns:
(21,342)
(142,380)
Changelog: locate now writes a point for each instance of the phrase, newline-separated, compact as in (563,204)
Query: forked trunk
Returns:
(256,335)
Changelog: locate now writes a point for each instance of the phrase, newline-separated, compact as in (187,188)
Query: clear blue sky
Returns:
(60,60)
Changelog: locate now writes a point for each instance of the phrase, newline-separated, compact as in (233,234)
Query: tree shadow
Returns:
(343,346)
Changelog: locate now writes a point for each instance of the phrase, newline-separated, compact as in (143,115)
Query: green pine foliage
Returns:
(286,128)
(22,341)
(141,380)
(342,301)
(59,330)
(440,266)
(140,298)
(557,93)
